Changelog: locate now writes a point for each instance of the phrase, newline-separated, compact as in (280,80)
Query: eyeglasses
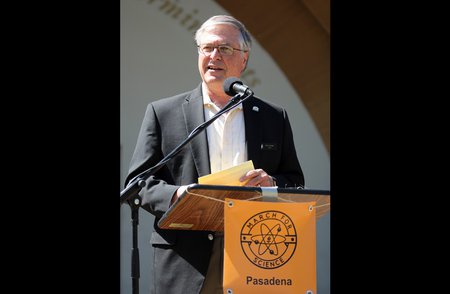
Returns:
(207,50)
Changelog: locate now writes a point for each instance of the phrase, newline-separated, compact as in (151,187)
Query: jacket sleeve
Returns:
(157,193)
(289,172)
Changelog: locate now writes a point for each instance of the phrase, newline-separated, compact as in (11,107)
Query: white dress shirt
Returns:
(226,135)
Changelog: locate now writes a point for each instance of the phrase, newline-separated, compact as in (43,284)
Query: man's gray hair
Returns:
(245,41)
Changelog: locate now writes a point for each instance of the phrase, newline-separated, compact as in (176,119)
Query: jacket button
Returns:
(210,237)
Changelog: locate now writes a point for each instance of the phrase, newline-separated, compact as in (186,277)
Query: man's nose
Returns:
(215,54)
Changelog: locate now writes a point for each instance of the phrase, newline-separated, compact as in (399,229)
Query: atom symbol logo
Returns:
(269,239)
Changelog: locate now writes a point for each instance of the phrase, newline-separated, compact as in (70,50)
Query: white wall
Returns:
(159,59)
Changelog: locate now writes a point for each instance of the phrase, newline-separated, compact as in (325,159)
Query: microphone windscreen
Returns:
(228,85)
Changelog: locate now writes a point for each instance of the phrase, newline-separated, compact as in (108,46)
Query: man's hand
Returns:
(257,178)
(177,194)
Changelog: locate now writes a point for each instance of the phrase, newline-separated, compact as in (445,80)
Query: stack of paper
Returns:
(228,177)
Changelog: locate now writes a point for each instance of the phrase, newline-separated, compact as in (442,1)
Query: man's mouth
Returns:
(212,67)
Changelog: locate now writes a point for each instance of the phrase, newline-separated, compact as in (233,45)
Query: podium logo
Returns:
(269,239)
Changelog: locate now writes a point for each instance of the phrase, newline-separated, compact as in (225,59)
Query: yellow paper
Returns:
(228,177)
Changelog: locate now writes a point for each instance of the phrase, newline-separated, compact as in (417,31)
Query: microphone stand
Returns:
(131,191)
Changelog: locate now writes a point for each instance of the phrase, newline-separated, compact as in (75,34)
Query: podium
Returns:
(200,207)
(260,253)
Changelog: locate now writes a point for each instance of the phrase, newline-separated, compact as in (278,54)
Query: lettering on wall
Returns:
(188,19)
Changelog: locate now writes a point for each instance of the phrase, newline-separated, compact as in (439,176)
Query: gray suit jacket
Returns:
(181,257)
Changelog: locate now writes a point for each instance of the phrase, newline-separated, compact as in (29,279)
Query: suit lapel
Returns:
(253,130)
(193,117)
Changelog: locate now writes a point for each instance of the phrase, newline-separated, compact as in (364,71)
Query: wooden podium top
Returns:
(200,207)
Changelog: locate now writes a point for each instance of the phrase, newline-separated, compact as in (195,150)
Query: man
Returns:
(187,261)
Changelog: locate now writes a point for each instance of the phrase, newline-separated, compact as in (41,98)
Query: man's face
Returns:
(217,67)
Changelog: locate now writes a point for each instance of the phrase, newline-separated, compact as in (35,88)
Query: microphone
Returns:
(233,86)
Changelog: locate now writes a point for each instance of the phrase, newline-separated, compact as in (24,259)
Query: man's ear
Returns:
(245,63)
